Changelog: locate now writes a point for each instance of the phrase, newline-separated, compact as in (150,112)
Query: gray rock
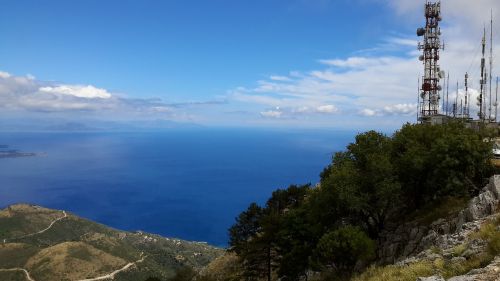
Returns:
(432,278)
(458,259)
(462,278)
(409,239)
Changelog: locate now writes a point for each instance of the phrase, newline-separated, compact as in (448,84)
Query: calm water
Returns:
(189,184)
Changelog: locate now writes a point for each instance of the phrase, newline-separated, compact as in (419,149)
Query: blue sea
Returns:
(189,184)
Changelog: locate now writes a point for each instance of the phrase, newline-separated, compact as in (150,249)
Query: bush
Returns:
(341,249)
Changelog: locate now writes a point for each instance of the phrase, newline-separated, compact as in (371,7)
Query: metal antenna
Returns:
(456,104)
(418,97)
(496,102)
(491,63)
(447,94)
(430,48)
(482,81)
(466,95)
(443,87)
(461,109)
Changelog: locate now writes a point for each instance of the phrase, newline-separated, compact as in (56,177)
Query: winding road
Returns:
(103,277)
(20,269)
(38,232)
(48,227)
(112,274)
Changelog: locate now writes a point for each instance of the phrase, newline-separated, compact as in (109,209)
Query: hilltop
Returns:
(41,244)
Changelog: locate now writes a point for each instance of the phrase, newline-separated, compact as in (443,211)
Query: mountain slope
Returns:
(42,244)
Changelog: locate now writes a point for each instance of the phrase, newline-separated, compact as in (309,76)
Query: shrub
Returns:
(341,249)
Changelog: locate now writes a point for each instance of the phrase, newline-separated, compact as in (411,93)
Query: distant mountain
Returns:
(86,125)
(45,245)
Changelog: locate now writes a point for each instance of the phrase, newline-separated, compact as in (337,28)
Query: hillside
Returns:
(43,244)
(460,245)
(420,202)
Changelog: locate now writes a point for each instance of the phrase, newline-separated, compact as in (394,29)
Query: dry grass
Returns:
(60,262)
(226,267)
(398,273)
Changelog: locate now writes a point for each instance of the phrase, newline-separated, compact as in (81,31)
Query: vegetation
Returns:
(91,249)
(377,180)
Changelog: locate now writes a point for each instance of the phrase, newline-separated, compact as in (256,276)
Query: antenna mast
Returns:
(447,93)
(430,47)
(482,81)
(418,98)
(466,108)
(455,107)
(496,102)
(491,64)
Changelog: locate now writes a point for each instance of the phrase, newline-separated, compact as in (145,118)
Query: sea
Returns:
(184,183)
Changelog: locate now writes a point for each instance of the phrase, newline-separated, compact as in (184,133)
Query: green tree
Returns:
(343,248)
(297,240)
(244,240)
(364,181)
(437,161)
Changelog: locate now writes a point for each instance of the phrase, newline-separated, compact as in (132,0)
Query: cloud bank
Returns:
(380,81)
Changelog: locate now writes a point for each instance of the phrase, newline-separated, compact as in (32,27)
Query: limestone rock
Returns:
(409,239)
(489,273)
(432,278)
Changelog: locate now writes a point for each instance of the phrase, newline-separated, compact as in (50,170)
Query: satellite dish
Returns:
(421,58)
(420,31)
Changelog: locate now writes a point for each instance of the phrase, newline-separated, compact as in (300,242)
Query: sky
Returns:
(237,63)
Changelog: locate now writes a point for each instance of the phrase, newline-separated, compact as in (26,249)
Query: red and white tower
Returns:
(431,46)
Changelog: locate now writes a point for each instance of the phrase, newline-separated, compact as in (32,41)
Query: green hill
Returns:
(42,244)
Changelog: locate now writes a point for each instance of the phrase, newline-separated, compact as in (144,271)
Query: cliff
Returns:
(461,247)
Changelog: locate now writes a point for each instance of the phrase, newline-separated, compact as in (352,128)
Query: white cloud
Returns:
(368,112)
(25,93)
(279,78)
(4,75)
(329,108)
(88,92)
(272,114)
(401,109)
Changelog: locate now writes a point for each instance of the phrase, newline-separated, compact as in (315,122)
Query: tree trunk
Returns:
(269,264)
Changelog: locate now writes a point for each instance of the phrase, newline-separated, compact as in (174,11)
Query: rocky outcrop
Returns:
(489,273)
(409,239)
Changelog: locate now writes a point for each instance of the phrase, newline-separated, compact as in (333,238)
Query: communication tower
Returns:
(430,48)
(482,82)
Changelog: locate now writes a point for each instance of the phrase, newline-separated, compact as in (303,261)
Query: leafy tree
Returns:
(255,238)
(364,180)
(243,240)
(437,161)
(343,248)
(297,239)
(247,226)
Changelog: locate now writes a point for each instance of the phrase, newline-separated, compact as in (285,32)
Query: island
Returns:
(5,152)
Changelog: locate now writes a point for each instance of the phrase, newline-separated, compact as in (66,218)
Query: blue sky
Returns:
(310,63)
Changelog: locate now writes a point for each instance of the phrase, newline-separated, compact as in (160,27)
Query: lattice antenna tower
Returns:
(482,81)
(466,107)
(430,48)
(490,116)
